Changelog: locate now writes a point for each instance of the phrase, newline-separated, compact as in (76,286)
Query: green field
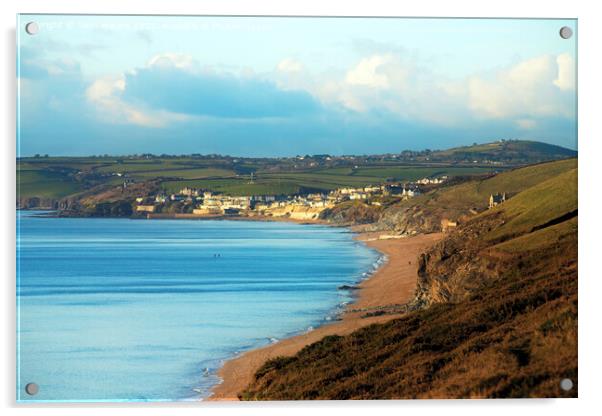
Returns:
(53,177)
(141,166)
(193,173)
(319,180)
(412,173)
(44,184)
(57,177)
(176,174)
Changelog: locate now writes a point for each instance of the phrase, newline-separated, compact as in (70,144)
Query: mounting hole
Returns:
(566,32)
(32,28)
(566,384)
(32,389)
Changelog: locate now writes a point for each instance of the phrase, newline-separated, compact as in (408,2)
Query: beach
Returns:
(379,298)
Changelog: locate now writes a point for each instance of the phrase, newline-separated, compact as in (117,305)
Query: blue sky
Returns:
(287,86)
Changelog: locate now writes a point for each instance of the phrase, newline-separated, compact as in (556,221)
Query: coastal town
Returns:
(206,203)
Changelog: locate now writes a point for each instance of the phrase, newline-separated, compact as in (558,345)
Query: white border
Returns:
(590,153)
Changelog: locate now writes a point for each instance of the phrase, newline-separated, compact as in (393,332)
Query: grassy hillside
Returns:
(537,206)
(424,213)
(35,183)
(495,313)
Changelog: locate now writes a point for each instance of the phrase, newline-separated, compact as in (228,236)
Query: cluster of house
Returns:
(432,181)
(210,203)
(403,191)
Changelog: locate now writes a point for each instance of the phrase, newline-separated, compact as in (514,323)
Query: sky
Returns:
(249,86)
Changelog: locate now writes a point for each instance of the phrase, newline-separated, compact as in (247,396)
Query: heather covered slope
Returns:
(495,315)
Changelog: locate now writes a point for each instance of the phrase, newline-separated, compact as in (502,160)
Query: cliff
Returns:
(489,245)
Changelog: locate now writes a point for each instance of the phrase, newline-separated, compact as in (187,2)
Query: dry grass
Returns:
(515,338)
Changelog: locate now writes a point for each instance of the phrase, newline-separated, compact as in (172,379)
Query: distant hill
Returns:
(514,151)
(495,310)
(51,182)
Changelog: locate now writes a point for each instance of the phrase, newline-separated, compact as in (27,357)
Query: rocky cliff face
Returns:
(461,263)
(101,200)
(47,203)
(410,220)
(467,262)
(406,217)
(352,213)
(37,203)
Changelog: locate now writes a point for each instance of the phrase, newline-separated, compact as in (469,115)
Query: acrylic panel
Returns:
(295,208)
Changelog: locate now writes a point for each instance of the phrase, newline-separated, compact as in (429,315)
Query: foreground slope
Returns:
(495,315)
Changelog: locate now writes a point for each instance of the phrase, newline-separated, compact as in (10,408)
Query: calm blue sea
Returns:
(122,310)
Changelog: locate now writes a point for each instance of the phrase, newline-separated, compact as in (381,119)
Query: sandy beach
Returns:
(380,298)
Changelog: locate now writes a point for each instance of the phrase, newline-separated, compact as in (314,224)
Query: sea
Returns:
(112,309)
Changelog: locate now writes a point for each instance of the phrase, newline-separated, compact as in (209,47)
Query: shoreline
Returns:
(194,217)
(256,218)
(380,298)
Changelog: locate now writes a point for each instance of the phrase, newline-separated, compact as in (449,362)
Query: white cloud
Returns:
(528,89)
(173,60)
(368,72)
(103,88)
(392,82)
(566,72)
(387,82)
(530,72)
(105,93)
